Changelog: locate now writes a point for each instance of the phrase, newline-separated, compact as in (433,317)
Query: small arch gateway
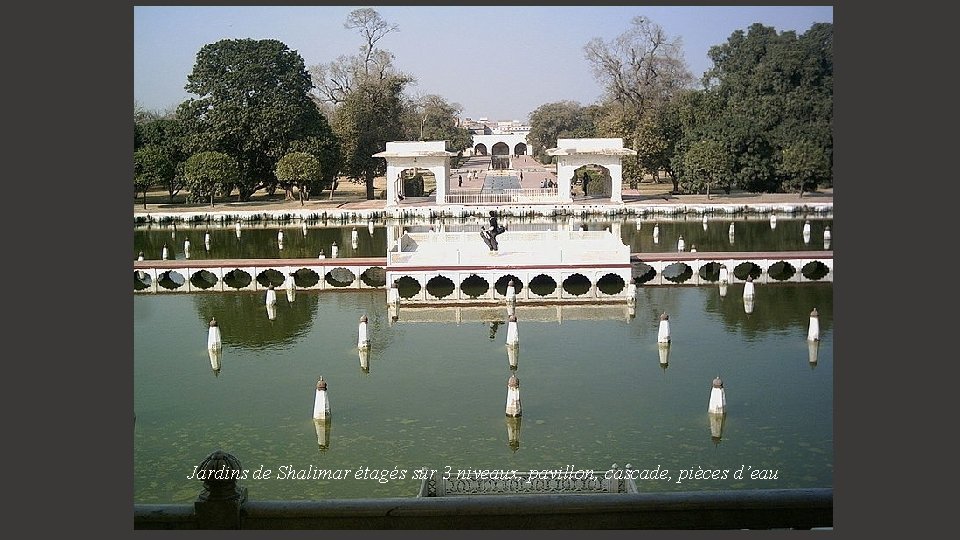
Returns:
(572,154)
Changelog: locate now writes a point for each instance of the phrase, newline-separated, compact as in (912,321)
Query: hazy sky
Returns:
(499,62)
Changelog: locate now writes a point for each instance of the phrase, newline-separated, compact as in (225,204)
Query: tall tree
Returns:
(254,102)
(337,79)
(368,118)
(778,91)
(641,70)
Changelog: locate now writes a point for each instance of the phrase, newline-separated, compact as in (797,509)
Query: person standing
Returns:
(490,235)
(460,180)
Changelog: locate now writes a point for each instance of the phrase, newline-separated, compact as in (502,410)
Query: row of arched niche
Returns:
(441,286)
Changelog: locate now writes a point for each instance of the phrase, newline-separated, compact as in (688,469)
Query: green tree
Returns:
(254,102)
(707,163)
(298,169)
(163,135)
(365,121)
(778,90)
(432,118)
(804,165)
(151,166)
(207,173)
(558,120)
(641,71)
(326,149)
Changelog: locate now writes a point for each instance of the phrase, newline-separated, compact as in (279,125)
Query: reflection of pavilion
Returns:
(459,314)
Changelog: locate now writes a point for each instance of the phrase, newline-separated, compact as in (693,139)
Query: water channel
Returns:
(595,388)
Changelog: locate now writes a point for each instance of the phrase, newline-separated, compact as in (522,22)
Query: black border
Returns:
(75,64)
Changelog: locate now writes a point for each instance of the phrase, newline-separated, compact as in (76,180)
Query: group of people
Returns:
(548,183)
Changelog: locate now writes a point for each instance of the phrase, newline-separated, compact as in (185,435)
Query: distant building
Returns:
(503,137)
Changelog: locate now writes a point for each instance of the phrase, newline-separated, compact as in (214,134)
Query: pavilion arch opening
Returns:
(480,149)
(340,277)
(500,149)
(474,286)
(408,287)
(204,279)
(710,271)
(781,271)
(815,270)
(269,277)
(678,272)
(543,285)
(501,285)
(611,284)
(440,286)
(237,279)
(593,180)
(141,280)
(520,149)
(305,278)
(744,269)
(374,276)
(643,272)
(417,181)
(577,284)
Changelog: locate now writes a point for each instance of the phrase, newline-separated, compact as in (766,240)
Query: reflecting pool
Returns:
(596,389)
(642,234)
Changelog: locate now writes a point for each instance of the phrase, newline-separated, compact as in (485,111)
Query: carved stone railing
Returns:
(553,482)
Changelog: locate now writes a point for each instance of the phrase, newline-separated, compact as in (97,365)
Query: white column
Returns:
(718,399)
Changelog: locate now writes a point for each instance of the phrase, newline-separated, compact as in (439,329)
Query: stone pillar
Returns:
(218,505)
(718,398)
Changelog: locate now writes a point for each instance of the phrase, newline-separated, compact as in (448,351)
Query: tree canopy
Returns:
(558,120)
(254,102)
(368,118)
(208,173)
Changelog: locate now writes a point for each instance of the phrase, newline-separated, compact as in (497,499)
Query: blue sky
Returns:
(498,62)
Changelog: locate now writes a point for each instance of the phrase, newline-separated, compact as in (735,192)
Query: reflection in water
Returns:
(513,432)
(748,304)
(386,419)
(494,325)
(813,350)
(272,311)
(513,396)
(323,432)
(663,350)
(215,355)
(716,426)
(364,353)
(512,354)
(261,241)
